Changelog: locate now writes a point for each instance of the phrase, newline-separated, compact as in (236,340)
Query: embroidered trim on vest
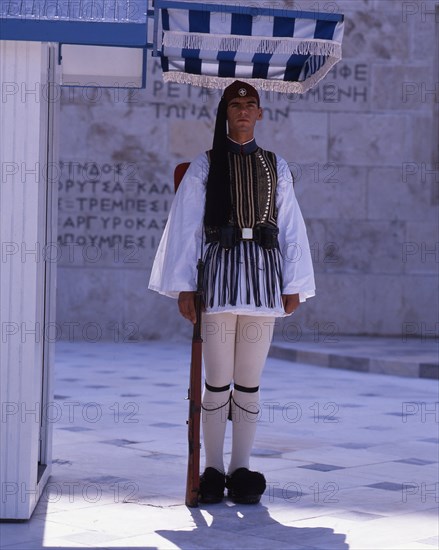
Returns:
(253,183)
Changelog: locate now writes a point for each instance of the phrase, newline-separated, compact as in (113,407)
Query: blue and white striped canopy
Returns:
(279,50)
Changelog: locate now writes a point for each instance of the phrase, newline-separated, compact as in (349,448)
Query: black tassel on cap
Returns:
(218,193)
(218,203)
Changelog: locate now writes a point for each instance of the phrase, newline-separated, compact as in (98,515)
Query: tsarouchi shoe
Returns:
(212,484)
(245,487)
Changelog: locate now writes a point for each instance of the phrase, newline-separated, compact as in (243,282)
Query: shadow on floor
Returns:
(253,522)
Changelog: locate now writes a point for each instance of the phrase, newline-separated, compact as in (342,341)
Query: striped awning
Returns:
(212,45)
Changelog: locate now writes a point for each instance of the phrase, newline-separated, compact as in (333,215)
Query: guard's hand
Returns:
(186,305)
(291,302)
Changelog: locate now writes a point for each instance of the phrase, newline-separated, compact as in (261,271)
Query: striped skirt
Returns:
(244,279)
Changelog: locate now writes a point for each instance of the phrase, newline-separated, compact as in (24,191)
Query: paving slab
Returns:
(350,458)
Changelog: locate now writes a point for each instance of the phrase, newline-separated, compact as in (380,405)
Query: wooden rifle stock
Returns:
(194,396)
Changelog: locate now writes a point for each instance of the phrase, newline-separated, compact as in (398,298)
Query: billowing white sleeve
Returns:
(298,272)
(175,265)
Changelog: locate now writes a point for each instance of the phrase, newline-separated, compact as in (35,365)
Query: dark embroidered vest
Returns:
(253,181)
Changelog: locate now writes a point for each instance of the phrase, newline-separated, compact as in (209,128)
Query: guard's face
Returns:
(242,114)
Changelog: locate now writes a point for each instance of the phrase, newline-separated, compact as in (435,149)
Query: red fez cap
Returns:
(240,89)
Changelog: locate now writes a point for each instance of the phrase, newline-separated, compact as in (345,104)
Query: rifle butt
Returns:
(194,395)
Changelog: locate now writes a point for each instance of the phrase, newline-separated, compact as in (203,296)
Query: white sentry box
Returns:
(29,163)
(31,75)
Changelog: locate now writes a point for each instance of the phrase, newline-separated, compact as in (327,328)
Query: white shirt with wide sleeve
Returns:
(175,264)
(297,268)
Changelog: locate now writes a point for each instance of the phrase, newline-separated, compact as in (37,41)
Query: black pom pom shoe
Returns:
(245,487)
(212,484)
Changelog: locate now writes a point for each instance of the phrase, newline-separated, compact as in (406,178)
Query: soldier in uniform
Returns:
(236,208)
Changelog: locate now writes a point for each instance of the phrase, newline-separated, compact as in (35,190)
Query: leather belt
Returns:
(230,235)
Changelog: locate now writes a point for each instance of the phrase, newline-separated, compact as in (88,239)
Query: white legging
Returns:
(235,348)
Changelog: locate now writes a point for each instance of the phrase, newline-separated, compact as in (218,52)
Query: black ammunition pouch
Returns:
(229,236)
(266,236)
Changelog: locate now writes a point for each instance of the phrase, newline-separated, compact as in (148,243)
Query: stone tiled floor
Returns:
(351,459)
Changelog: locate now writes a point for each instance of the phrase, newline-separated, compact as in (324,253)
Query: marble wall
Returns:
(363,147)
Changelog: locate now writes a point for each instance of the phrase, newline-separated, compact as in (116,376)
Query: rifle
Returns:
(194,396)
